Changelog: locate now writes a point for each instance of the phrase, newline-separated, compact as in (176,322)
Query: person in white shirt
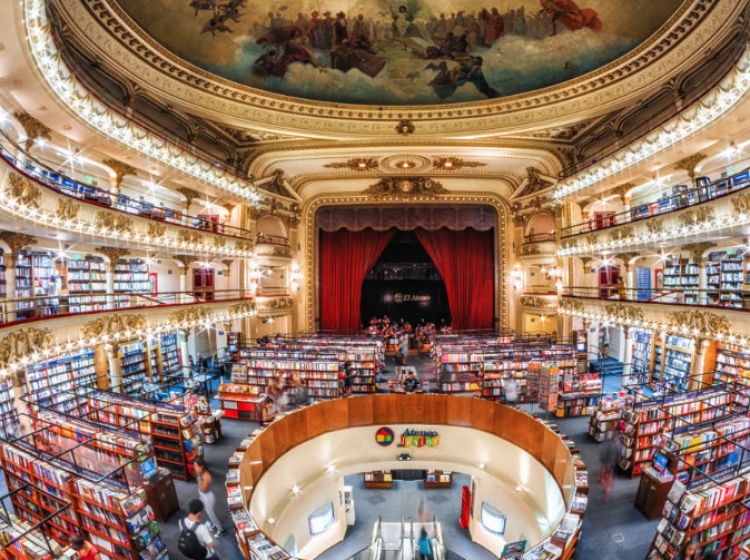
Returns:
(193,523)
(510,387)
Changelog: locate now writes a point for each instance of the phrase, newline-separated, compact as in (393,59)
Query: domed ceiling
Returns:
(423,52)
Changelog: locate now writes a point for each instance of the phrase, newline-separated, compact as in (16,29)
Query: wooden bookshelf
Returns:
(170,359)
(438,479)
(134,367)
(130,277)
(378,479)
(641,366)
(52,381)
(682,275)
(87,284)
(604,424)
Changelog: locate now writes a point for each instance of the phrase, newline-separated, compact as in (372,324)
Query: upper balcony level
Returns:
(681,198)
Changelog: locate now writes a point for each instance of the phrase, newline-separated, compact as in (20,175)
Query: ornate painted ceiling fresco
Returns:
(421,52)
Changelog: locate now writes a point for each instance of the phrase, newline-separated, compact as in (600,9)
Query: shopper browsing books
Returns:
(195,540)
(690,552)
(84,549)
(510,387)
(410,383)
(203,477)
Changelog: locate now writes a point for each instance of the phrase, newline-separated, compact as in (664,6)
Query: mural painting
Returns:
(419,52)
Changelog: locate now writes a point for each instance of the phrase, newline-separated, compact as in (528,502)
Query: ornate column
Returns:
(690,163)
(629,277)
(121,170)
(228,264)
(229,207)
(15,242)
(186,261)
(627,358)
(696,251)
(113,254)
(189,195)
(698,375)
(182,341)
(622,191)
(115,376)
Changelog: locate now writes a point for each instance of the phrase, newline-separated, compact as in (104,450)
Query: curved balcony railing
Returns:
(735,299)
(40,308)
(549,237)
(704,192)
(264,239)
(96,196)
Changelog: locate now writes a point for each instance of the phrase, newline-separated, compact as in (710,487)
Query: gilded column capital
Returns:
(189,195)
(186,261)
(33,128)
(113,254)
(121,169)
(16,242)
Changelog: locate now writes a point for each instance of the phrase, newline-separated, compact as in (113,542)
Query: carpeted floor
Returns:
(612,529)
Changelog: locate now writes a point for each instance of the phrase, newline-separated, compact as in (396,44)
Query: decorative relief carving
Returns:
(242,308)
(532,249)
(690,163)
(402,188)
(539,301)
(451,163)
(113,324)
(189,237)
(655,226)
(534,182)
(696,250)
(741,204)
(228,264)
(21,189)
(186,261)
(622,190)
(220,242)
(519,220)
(156,230)
(623,313)
(707,324)
(282,252)
(190,315)
(23,342)
(189,195)
(277,184)
(405,127)
(113,254)
(114,221)
(274,304)
(229,207)
(15,242)
(571,306)
(627,257)
(538,202)
(356,164)
(622,233)
(33,128)
(121,169)
(244,246)
(67,209)
(592,239)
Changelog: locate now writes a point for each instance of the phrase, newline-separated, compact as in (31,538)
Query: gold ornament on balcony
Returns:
(571,306)
(156,230)
(23,342)
(114,222)
(623,314)
(655,226)
(20,189)
(67,209)
(699,323)
(110,325)
(622,234)
(190,315)
(453,163)
(401,188)
(741,204)
(537,301)
(242,308)
(189,237)
(33,128)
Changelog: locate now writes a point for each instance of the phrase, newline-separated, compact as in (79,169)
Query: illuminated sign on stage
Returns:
(419,438)
(410,298)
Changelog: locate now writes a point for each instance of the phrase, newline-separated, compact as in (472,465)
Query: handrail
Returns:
(699,297)
(704,192)
(540,237)
(265,239)
(44,175)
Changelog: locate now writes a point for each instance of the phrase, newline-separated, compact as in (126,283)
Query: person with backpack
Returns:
(206,495)
(425,546)
(195,540)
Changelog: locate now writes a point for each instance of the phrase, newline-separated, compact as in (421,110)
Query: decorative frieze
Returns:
(114,222)
(404,188)
(21,189)
(114,325)
(22,342)
(67,209)
(699,323)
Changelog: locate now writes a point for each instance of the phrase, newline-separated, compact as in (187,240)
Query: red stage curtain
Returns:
(345,258)
(465,260)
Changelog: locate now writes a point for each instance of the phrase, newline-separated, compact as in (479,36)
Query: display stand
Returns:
(438,479)
(378,479)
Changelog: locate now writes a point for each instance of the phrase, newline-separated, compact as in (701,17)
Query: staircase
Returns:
(610,371)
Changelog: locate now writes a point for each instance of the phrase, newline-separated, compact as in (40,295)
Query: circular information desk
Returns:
(285,482)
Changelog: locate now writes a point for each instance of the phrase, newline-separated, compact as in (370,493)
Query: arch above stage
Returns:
(481,217)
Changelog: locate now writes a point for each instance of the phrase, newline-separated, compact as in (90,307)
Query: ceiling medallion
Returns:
(401,188)
(356,164)
(405,127)
(405,162)
(451,163)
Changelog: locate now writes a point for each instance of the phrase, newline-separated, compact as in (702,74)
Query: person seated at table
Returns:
(410,384)
(268,412)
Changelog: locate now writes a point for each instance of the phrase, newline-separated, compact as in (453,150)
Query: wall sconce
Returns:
(516,277)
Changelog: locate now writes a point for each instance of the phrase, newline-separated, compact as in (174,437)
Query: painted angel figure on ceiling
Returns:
(570,15)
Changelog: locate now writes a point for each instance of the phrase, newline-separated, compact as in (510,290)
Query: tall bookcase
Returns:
(641,365)
(24,284)
(725,277)
(731,365)
(680,274)
(130,277)
(87,284)
(52,382)
(134,367)
(362,363)
(170,359)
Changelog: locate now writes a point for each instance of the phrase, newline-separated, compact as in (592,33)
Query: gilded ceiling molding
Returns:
(405,127)
(105,25)
(453,163)
(72,93)
(33,128)
(356,164)
(405,188)
(21,189)
(713,105)
(121,170)
(533,183)
(502,248)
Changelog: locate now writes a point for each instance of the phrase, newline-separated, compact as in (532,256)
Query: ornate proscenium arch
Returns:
(478,211)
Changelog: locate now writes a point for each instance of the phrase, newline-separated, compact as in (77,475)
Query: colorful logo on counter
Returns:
(419,438)
(384,436)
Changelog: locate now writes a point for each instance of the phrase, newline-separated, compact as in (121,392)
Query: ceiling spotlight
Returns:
(519,488)
(481,466)
(271,520)
(448,163)
(361,164)
(295,489)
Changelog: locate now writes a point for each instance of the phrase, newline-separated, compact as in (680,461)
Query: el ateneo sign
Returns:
(409,438)
(399,298)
